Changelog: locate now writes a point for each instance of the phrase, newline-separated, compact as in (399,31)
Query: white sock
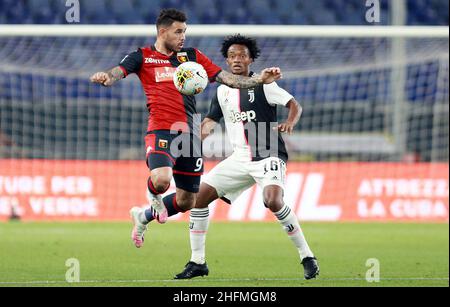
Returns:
(292,227)
(142,218)
(198,226)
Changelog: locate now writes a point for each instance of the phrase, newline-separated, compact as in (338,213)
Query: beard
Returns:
(172,47)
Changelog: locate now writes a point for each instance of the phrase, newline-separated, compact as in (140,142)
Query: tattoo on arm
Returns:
(237,81)
(116,74)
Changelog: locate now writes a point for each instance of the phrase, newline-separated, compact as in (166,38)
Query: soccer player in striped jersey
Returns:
(171,117)
(258,156)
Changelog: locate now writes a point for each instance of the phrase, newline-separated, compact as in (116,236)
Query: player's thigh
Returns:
(230,177)
(161,172)
(188,183)
(268,172)
(189,166)
(187,173)
(159,154)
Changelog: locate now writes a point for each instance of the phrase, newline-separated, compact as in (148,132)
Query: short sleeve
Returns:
(215,111)
(211,69)
(275,95)
(132,63)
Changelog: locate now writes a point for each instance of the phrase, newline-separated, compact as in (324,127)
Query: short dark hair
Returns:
(168,16)
(238,39)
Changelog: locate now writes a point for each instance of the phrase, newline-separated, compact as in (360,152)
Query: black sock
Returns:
(170,202)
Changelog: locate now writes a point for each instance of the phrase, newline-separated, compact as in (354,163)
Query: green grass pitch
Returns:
(238,254)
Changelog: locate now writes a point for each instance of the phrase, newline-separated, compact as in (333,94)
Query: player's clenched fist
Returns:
(102,78)
(270,75)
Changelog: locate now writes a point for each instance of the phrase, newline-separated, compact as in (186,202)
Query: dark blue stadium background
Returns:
(317,12)
(64,101)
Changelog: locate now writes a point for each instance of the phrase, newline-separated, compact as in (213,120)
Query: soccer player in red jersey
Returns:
(171,117)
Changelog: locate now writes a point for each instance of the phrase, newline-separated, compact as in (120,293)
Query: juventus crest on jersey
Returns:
(250,118)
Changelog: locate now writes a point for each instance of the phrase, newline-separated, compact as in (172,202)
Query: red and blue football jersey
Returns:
(168,108)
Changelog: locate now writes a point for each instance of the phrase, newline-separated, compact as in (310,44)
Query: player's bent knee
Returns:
(160,183)
(274,204)
(162,186)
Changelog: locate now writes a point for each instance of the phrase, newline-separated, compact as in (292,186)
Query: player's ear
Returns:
(161,31)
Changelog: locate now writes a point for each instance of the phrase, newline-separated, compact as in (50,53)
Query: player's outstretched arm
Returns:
(267,76)
(295,112)
(108,78)
(208,125)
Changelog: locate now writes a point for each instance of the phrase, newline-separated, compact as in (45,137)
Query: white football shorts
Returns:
(232,176)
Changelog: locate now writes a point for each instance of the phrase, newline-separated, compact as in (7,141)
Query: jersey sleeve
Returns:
(275,95)
(215,111)
(211,69)
(132,63)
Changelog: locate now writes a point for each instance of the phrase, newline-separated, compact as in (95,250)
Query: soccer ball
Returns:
(190,78)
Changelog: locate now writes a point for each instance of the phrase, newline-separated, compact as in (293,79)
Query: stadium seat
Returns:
(205,13)
(146,6)
(125,13)
(234,11)
(15,12)
(263,12)
(96,12)
(285,11)
(37,6)
(148,11)
(348,12)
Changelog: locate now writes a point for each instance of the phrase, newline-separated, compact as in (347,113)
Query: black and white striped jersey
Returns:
(250,117)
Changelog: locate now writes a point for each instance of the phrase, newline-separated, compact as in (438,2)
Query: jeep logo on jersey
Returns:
(182,57)
(164,74)
(242,116)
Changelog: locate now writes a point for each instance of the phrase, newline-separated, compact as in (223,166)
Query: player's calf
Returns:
(171,208)
(185,200)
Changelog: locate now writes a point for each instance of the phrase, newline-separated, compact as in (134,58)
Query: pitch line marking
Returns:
(50,282)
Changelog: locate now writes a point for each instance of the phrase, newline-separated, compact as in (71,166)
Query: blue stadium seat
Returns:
(180,4)
(125,13)
(205,13)
(96,12)
(16,12)
(234,11)
(59,10)
(348,12)
(285,8)
(153,5)
(263,12)
(149,10)
(289,13)
(37,6)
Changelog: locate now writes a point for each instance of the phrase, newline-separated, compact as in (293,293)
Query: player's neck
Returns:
(244,74)
(160,47)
